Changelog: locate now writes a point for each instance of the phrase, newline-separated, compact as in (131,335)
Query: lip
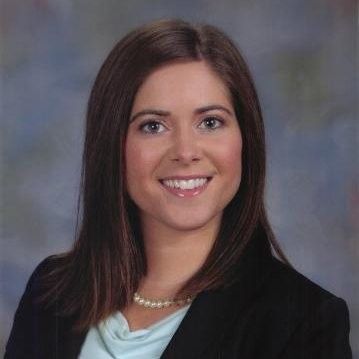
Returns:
(186,177)
(185,193)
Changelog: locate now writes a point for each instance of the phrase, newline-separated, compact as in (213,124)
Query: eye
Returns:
(152,127)
(211,123)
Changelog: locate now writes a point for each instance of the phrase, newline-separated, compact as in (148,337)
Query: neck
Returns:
(173,256)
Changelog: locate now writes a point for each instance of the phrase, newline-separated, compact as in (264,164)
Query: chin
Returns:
(191,224)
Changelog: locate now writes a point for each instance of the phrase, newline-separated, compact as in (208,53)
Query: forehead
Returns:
(190,83)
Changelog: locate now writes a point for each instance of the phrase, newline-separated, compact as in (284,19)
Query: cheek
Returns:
(232,161)
(141,159)
(230,157)
(132,155)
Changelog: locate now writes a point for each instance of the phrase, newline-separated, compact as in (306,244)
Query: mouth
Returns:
(186,187)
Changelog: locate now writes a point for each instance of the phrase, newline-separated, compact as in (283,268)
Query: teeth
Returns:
(185,184)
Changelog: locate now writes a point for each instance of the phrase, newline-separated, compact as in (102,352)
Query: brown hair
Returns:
(102,271)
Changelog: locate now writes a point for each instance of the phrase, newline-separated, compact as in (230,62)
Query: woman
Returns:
(174,256)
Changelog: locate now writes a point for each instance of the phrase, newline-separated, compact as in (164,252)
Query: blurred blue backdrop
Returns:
(303,57)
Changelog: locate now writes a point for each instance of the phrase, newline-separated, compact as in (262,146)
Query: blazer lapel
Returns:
(67,343)
(73,345)
(212,312)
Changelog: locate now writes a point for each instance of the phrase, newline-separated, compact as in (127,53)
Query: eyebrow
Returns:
(197,111)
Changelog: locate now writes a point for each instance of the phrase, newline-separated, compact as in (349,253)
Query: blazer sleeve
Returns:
(322,335)
(24,330)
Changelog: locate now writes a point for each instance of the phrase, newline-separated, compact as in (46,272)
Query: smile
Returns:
(185,184)
(186,188)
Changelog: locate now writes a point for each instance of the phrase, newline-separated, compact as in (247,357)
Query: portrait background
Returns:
(302,54)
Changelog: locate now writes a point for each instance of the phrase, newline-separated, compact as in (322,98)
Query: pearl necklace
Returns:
(160,303)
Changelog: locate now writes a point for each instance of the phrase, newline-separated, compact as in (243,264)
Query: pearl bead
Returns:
(158,304)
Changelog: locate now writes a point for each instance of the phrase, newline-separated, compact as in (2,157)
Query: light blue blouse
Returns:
(113,339)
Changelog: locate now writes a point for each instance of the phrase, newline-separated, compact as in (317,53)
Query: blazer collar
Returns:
(213,311)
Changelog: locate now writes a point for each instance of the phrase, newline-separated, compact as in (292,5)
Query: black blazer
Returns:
(271,311)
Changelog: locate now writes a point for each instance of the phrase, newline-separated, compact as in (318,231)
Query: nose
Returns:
(185,147)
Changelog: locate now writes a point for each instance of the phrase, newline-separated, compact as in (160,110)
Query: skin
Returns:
(177,230)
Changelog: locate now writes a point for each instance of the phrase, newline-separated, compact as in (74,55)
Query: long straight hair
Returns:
(100,274)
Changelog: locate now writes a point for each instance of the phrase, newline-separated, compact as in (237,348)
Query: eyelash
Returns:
(218,120)
(146,123)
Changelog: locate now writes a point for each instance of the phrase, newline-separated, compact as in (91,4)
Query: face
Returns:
(183,148)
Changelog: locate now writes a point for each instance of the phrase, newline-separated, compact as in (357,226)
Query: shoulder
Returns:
(290,284)
(31,318)
(44,267)
(273,311)
(305,315)
(36,286)
(290,290)
(36,282)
